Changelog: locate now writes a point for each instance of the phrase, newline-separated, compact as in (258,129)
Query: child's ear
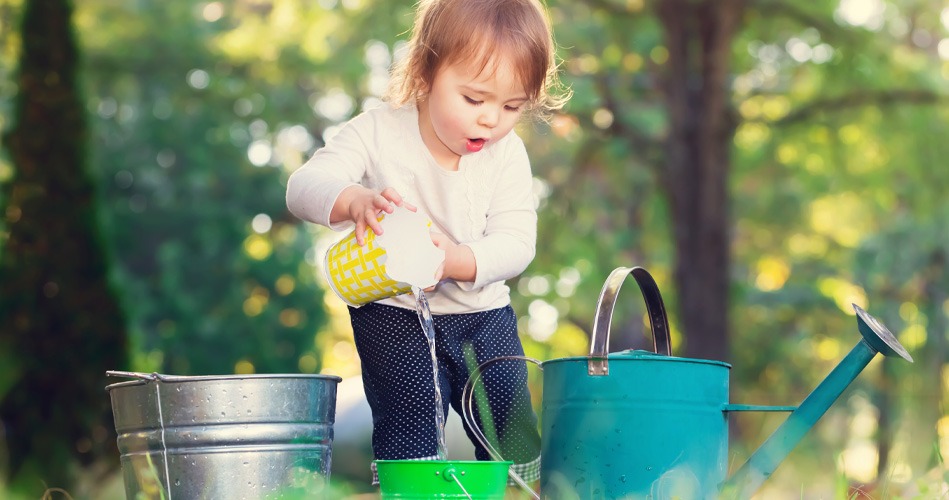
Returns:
(422,86)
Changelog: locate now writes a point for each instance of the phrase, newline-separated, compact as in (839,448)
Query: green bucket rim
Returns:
(426,479)
(464,462)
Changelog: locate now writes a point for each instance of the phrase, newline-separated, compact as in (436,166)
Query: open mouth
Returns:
(475,145)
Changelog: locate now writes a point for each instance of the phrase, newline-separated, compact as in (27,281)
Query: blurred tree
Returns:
(61,326)
(189,139)
(784,136)
(658,86)
(839,204)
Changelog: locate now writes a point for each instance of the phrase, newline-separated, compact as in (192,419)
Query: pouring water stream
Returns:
(425,319)
(428,327)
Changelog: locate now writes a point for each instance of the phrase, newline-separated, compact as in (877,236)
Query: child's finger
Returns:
(392,195)
(373,223)
(440,272)
(382,203)
(410,206)
(360,233)
(439,239)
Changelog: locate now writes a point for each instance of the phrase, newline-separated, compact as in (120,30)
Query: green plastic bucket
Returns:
(419,479)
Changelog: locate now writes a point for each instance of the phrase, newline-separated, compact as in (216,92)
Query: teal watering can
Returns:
(646,425)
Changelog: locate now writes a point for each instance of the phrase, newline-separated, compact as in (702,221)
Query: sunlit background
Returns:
(838,194)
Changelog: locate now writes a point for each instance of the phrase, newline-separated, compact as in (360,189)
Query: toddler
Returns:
(443,144)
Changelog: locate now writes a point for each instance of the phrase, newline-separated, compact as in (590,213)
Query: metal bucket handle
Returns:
(598,363)
(145,378)
(450,474)
(467,412)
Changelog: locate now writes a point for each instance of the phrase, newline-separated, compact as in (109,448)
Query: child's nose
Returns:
(489,117)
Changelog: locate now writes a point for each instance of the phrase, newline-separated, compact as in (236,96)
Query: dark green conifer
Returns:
(61,326)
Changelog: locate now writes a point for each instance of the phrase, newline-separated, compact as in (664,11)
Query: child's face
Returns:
(465,111)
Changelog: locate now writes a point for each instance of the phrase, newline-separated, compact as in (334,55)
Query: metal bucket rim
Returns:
(207,378)
(655,357)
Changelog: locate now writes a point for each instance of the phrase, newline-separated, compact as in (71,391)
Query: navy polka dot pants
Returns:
(397,376)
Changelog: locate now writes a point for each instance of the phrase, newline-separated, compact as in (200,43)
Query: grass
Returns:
(932,485)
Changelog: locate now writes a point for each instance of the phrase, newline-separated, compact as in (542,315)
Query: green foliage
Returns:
(210,261)
(836,195)
(60,323)
(836,191)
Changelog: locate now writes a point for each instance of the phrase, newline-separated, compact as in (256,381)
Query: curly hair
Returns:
(448,31)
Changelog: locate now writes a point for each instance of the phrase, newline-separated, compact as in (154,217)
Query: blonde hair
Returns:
(448,31)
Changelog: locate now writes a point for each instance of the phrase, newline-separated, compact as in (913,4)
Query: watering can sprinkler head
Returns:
(879,336)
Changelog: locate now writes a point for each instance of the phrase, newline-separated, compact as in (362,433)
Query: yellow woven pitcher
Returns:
(388,264)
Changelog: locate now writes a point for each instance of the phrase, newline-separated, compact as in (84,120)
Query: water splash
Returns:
(425,319)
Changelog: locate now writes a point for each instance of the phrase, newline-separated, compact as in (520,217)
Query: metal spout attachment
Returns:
(876,339)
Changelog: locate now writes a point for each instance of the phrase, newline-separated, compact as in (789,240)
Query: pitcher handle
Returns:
(467,412)
(598,363)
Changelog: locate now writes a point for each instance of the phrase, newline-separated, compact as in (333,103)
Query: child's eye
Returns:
(472,101)
(515,109)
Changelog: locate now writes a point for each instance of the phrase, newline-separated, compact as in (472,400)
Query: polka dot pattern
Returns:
(397,376)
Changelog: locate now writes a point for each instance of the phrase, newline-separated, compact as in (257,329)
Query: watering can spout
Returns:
(876,339)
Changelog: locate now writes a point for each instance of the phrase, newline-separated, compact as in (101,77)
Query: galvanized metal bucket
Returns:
(235,436)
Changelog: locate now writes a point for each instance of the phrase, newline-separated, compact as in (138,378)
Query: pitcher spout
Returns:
(762,463)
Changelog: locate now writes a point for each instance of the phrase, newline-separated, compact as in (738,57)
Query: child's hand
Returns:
(439,273)
(365,205)
(459,263)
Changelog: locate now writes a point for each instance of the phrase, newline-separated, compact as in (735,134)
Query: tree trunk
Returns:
(61,326)
(701,128)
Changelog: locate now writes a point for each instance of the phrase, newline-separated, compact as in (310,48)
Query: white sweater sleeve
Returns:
(313,189)
(508,245)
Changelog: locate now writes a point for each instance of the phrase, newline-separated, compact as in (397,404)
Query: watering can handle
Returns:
(598,363)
